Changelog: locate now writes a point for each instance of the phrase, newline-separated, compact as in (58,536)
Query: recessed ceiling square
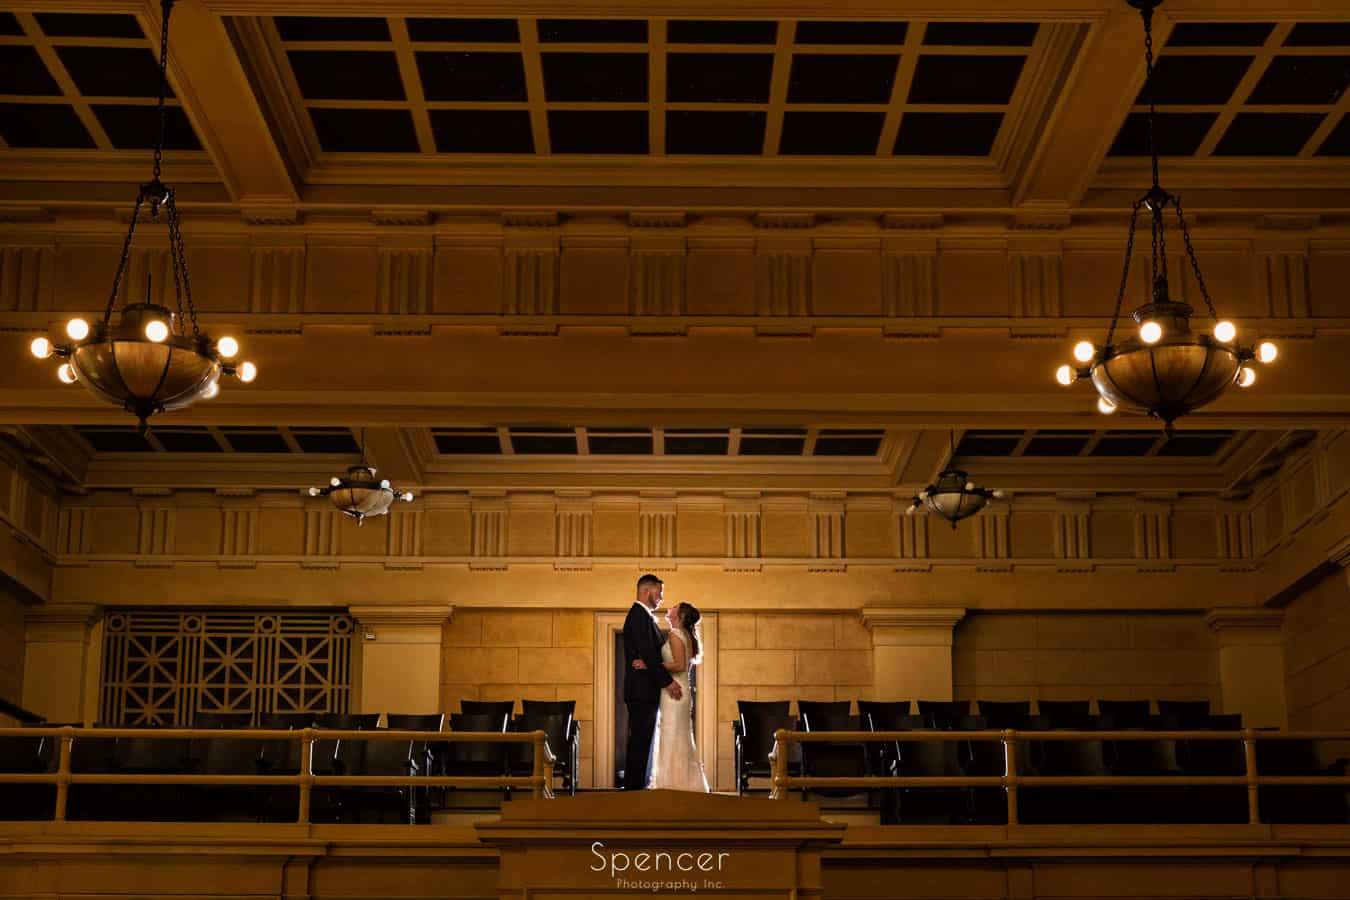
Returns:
(830,133)
(1180,79)
(186,440)
(256,440)
(1292,80)
(466,444)
(1056,445)
(873,33)
(595,77)
(718,77)
(1338,142)
(696,445)
(9,25)
(719,133)
(772,446)
(980,34)
(332,28)
(465,31)
(1268,134)
(847,446)
(939,78)
(592,31)
(482,130)
(947,134)
(1319,34)
(975,443)
(1124,445)
(1194,445)
(456,75)
(112,439)
(1178,134)
(544,444)
(325,440)
(617,445)
(587,131)
(841,78)
(135,127)
(347,74)
(53,125)
(112,71)
(365,130)
(22,72)
(98,25)
(1219,34)
(718,31)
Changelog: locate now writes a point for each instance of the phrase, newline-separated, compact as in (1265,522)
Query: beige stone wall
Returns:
(1317,654)
(782,656)
(11,647)
(534,654)
(1067,656)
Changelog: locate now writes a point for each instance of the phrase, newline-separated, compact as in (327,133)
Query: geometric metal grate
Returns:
(163,667)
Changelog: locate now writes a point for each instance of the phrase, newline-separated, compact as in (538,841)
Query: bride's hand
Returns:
(639,664)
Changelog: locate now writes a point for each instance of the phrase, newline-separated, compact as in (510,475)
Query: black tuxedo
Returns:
(641,691)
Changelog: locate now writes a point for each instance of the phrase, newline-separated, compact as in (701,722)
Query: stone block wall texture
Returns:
(1317,655)
(11,647)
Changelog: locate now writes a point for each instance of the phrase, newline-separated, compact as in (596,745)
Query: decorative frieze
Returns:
(157,529)
(488,534)
(1282,279)
(404,539)
(1153,537)
(405,280)
(783,282)
(238,536)
(656,531)
(26,278)
(74,534)
(656,282)
(321,538)
(742,519)
(276,280)
(908,283)
(530,281)
(1034,285)
(827,519)
(572,532)
(1073,534)
(991,538)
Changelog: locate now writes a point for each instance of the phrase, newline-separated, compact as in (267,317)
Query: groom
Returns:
(642,687)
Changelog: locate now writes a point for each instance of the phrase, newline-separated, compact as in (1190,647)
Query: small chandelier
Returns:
(359,494)
(1165,370)
(953,496)
(151,359)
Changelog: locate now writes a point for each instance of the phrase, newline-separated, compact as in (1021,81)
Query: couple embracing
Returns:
(657,693)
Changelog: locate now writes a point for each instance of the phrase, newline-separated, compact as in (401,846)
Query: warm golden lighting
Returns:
(211,391)
(1083,351)
(41,347)
(1064,375)
(156,330)
(227,347)
(67,373)
(247,372)
(1225,331)
(1267,352)
(1105,407)
(77,329)
(1150,332)
(1247,377)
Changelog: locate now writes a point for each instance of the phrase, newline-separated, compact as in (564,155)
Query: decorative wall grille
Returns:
(162,667)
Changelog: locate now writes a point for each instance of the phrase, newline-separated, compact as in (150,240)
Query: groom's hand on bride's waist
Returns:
(639,664)
(673,689)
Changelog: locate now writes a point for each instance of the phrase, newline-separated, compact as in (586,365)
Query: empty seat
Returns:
(475,758)
(1185,713)
(27,755)
(548,707)
(1069,805)
(841,759)
(500,709)
(223,720)
(1005,713)
(569,754)
(764,707)
(946,805)
(1075,714)
(558,731)
(943,713)
(875,716)
(1125,713)
(753,737)
(832,708)
(1303,804)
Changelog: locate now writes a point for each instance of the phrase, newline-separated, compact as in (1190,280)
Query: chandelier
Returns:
(359,494)
(1165,370)
(150,359)
(953,496)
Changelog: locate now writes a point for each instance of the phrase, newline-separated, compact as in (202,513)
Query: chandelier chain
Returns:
(179,254)
(162,108)
(1125,271)
(126,256)
(1195,263)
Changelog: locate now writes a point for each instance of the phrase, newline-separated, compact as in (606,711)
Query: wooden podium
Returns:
(664,843)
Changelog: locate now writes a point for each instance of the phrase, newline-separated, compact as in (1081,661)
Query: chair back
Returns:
(1005,713)
(556,729)
(22,754)
(1065,713)
(831,720)
(943,713)
(1224,722)
(500,709)
(281,721)
(757,730)
(1186,713)
(415,721)
(1125,713)
(283,757)
(151,755)
(822,708)
(223,720)
(548,707)
(475,757)
(763,707)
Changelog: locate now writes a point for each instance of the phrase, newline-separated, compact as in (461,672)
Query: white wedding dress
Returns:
(675,760)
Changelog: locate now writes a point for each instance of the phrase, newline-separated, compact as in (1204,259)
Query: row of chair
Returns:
(1078,714)
(983,757)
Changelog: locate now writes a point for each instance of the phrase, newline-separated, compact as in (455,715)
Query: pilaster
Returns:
(912,650)
(1251,663)
(400,666)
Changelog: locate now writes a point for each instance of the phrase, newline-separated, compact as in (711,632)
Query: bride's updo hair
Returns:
(689,617)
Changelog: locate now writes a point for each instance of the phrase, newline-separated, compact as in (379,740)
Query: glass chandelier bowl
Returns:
(953,496)
(1166,370)
(144,357)
(359,494)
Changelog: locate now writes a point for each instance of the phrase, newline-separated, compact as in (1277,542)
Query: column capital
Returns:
(1339,554)
(1246,624)
(406,614)
(50,619)
(912,625)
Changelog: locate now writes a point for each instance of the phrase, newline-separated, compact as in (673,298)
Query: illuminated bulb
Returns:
(407,496)
(227,347)
(1225,331)
(1064,375)
(314,492)
(1000,494)
(41,347)
(78,329)
(385,484)
(212,390)
(67,373)
(335,481)
(1105,407)
(1150,332)
(909,511)
(156,330)
(970,486)
(1083,351)
(247,372)
(1267,352)
(1247,377)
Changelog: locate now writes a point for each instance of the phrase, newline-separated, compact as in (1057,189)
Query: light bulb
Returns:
(335,481)
(227,347)
(1105,407)
(999,494)
(247,372)
(1225,331)
(314,492)
(67,373)
(385,484)
(212,391)
(909,510)
(1247,377)
(1064,375)
(41,347)
(78,329)
(970,486)
(1267,352)
(1150,332)
(1083,351)
(156,330)
(407,496)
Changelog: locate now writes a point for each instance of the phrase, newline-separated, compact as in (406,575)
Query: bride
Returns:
(675,759)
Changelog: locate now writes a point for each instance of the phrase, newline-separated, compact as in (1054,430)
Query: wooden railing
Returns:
(1011,780)
(539,781)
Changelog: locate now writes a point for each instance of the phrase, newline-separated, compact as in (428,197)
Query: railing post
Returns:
(778,766)
(306,773)
(1253,792)
(66,737)
(1010,772)
(537,770)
